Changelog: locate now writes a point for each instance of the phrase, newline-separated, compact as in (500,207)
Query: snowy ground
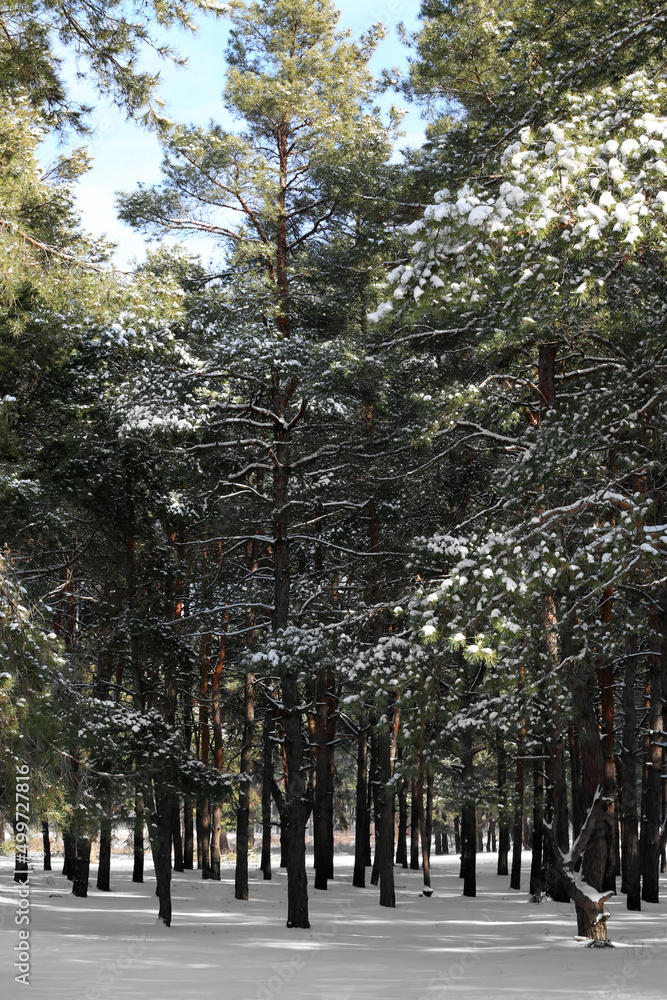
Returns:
(498,946)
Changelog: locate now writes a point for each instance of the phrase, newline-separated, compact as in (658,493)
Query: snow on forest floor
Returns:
(499,946)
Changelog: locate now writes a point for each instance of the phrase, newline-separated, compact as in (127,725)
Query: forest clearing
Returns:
(499,945)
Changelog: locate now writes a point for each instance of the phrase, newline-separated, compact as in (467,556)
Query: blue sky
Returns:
(124,154)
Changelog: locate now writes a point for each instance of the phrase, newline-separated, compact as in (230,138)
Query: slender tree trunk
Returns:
(69,852)
(138,838)
(424,833)
(479,821)
(384,837)
(104,858)
(297,881)
(267,779)
(215,842)
(630,852)
(188,835)
(160,809)
(414,827)
(605,675)
(295,813)
(205,814)
(504,832)
(361,827)
(575,779)
(330,776)
(590,918)
(437,838)
(46,841)
(402,841)
(199,827)
(557,816)
(517,831)
(243,812)
(176,836)
(374,787)
(537,879)
(214,810)
(650,830)
(429,807)
(203,808)
(372,749)
(324,773)
(81,867)
(469,820)
(457,835)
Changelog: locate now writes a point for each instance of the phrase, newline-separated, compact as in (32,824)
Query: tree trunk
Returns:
(457,835)
(205,816)
(537,879)
(429,807)
(479,823)
(104,858)
(176,836)
(424,833)
(46,841)
(517,830)
(605,675)
(402,840)
(503,822)
(330,777)
(368,860)
(204,844)
(200,835)
(575,779)
(591,919)
(267,779)
(297,881)
(414,828)
(81,867)
(384,837)
(69,852)
(557,817)
(215,841)
(631,874)
(650,830)
(360,832)
(374,788)
(469,820)
(188,836)
(138,837)
(160,810)
(243,812)
(324,774)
